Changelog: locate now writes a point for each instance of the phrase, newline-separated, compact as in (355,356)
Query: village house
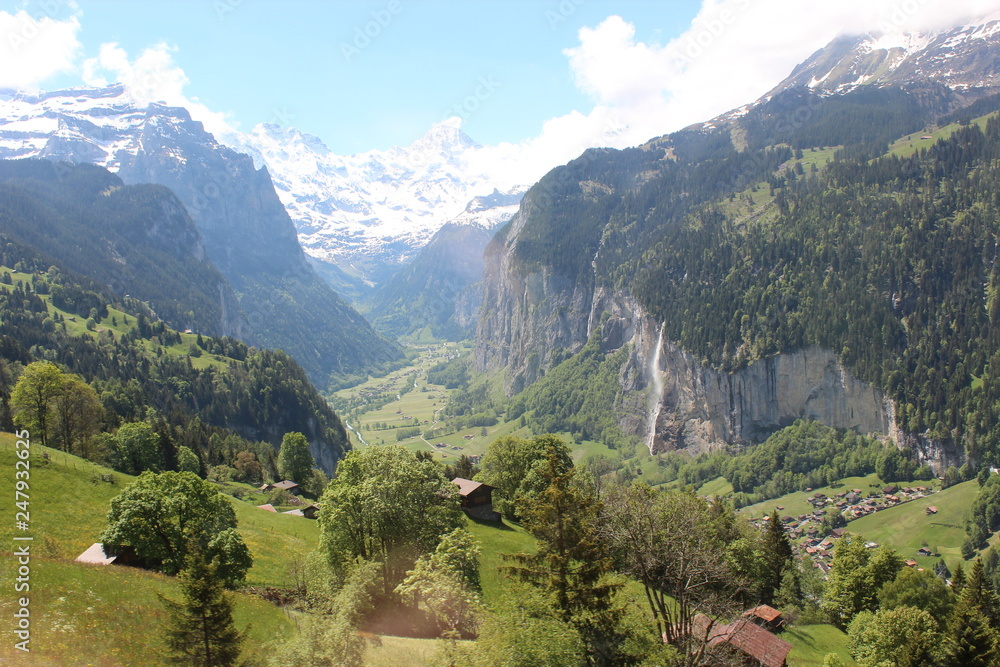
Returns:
(766,617)
(757,645)
(286,485)
(476,499)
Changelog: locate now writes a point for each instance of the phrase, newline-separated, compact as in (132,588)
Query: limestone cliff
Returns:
(679,403)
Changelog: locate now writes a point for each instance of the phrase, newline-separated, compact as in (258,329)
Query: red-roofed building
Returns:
(269,507)
(767,617)
(757,645)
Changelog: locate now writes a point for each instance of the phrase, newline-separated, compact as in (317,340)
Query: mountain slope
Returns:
(136,239)
(362,217)
(753,284)
(963,59)
(245,230)
(441,287)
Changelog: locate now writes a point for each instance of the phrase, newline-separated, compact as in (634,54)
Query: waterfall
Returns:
(656,396)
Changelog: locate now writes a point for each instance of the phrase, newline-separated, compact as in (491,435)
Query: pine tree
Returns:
(200,630)
(778,553)
(958,580)
(979,594)
(970,641)
(570,563)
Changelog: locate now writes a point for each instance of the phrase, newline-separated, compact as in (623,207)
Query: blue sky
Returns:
(287,62)
(558,75)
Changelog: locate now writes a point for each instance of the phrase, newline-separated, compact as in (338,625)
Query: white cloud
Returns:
(35,49)
(151,77)
(733,53)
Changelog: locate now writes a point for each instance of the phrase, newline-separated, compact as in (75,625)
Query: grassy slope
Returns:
(69,504)
(77,326)
(111,615)
(907,527)
(92,615)
(795,503)
(812,643)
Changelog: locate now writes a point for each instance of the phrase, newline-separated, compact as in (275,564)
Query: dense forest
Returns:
(140,369)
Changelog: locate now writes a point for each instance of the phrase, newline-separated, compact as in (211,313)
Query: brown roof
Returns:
(755,641)
(94,555)
(467,486)
(286,485)
(269,507)
(764,612)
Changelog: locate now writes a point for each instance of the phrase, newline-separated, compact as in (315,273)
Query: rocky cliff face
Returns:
(670,399)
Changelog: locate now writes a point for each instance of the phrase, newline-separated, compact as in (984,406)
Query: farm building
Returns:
(766,617)
(96,555)
(476,498)
(286,485)
(753,643)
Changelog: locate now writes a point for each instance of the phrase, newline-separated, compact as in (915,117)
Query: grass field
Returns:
(812,643)
(912,143)
(93,615)
(907,527)
(69,505)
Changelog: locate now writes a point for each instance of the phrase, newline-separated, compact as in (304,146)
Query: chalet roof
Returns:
(746,636)
(286,485)
(94,555)
(755,641)
(294,512)
(269,507)
(764,612)
(467,486)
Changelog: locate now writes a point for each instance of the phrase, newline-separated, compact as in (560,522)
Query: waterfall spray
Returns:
(656,396)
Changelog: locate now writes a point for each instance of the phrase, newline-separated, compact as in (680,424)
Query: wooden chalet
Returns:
(285,485)
(476,498)
(766,617)
(756,645)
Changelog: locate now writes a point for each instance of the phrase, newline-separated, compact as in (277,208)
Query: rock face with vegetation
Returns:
(245,231)
(855,285)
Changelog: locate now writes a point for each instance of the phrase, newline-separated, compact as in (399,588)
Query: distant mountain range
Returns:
(360,218)
(245,230)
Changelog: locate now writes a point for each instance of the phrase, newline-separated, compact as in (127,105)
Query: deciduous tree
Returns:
(161,515)
(386,506)
(295,461)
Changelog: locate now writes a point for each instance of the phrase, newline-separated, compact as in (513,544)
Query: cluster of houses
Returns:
(810,539)
(310,511)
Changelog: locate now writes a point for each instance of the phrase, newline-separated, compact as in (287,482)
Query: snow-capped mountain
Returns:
(369,214)
(246,231)
(965,59)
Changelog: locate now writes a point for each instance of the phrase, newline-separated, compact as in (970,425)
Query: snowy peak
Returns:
(369,214)
(965,59)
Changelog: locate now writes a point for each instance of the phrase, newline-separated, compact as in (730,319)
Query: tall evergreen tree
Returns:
(958,580)
(200,630)
(777,553)
(570,563)
(970,641)
(980,595)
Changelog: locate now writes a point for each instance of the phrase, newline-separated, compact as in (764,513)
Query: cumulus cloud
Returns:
(153,76)
(33,49)
(733,52)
